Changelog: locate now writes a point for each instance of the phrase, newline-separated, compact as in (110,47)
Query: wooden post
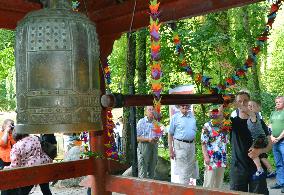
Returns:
(97,144)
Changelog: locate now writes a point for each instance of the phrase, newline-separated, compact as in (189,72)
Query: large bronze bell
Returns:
(57,68)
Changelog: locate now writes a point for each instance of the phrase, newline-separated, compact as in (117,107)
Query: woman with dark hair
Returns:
(27,152)
(6,142)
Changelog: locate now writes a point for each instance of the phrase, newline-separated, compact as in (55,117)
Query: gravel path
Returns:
(62,191)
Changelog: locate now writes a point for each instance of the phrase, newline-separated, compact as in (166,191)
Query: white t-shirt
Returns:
(118,129)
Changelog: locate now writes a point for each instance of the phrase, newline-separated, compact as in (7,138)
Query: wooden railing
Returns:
(126,185)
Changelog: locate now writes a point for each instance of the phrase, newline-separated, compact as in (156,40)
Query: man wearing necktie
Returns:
(181,142)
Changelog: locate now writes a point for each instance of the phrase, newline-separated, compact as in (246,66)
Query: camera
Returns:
(12,127)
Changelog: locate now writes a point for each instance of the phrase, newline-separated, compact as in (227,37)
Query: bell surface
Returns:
(57,72)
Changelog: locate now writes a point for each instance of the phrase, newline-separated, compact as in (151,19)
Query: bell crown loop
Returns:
(57,4)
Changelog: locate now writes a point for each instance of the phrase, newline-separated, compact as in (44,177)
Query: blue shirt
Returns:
(183,127)
(145,128)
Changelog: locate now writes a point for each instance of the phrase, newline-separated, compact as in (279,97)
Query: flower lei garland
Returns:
(241,72)
(156,72)
(225,126)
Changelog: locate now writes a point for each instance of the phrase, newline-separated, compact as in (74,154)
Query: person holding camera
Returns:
(6,142)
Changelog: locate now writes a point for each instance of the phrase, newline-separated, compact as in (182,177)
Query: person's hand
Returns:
(7,129)
(234,105)
(206,159)
(153,140)
(254,152)
(274,139)
(251,114)
(172,153)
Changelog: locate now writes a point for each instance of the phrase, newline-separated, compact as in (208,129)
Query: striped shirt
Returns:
(145,128)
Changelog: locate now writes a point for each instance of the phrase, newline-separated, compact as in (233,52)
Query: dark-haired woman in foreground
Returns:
(25,153)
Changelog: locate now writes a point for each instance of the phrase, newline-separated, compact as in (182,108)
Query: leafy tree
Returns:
(117,62)
(129,89)
(7,71)
(141,67)
(7,38)
(215,45)
(273,79)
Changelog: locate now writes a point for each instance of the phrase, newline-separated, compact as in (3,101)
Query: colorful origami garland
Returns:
(241,72)
(156,72)
(200,79)
(75,5)
(197,77)
(226,122)
(110,146)
(111,149)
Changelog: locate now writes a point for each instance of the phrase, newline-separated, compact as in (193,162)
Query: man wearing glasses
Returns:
(147,151)
(181,142)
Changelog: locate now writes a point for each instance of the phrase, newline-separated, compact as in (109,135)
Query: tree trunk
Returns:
(141,67)
(255,91)
(129,87)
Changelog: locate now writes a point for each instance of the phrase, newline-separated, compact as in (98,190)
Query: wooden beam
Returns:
(119,100)
(117,19)
(21,6)
(131,185)
(44,173)
(106,45)
(13,11)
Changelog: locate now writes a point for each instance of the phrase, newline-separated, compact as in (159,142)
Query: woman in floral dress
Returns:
(214,141)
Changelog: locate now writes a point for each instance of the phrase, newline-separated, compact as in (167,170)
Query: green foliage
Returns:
(268,104)
(273,79)
(164,153)
(7,38)
(214,45)
(7,75)
(117,62)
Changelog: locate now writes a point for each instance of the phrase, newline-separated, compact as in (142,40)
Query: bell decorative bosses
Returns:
(57,68)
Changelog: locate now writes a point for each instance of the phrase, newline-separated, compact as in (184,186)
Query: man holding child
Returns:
(242,164)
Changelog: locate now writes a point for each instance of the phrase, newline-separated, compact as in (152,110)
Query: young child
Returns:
(255,107)
(214,141)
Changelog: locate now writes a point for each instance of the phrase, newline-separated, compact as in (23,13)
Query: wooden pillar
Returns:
(97,144)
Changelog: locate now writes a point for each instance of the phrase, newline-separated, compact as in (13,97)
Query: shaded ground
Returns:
(62,191)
